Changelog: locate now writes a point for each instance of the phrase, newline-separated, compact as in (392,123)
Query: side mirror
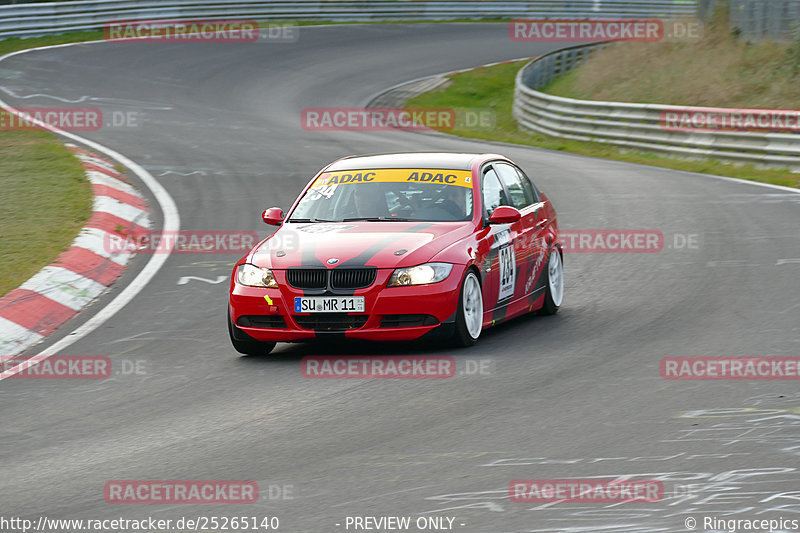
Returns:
(273,216)
(505,214)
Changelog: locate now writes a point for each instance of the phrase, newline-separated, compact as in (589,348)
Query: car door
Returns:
(500,264)
(531,248)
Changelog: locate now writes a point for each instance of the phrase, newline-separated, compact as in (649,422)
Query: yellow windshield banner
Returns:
(459,178)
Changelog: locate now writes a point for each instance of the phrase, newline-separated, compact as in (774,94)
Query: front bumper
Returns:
(391,313)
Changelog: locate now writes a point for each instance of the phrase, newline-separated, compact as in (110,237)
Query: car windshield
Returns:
(387,195)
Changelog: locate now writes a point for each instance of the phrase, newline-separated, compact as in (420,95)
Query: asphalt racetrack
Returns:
(577,395)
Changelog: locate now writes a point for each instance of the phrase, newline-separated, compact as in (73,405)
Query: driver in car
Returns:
(369,202)
(453,201)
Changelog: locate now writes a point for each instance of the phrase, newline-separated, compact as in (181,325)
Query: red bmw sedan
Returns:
(399,247)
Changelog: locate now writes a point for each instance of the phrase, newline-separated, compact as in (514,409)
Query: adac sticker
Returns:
(458,178)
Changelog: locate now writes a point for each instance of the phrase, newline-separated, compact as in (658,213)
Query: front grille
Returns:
(331,321)
(261,321)
(340,278)
(307,278)
(352,278)
(408,321)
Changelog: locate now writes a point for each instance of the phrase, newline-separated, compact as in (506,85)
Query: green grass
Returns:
(492,89)
(46,201)
(719,70)
(14,44)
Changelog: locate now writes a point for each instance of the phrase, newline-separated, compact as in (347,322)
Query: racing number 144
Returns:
(507,272)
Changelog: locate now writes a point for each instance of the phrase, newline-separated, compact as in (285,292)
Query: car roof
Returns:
(433,160)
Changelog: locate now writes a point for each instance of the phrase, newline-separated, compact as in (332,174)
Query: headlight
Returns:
(253,276)
(420,275)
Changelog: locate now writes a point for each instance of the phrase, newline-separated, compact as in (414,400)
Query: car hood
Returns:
(356,244)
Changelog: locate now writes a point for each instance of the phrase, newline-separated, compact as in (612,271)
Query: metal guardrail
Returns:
(637,126)
(32,19)
(778,20)
(543,70)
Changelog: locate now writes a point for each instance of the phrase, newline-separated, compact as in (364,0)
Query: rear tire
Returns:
(245,344)
(554,294)
(469,317)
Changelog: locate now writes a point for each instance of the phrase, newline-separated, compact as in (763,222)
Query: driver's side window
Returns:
(493,193)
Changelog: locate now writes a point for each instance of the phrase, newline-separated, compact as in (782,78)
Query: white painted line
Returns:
(183,280)
(106,204)
(15,339)
(165,202)
(748,182)
(64,286)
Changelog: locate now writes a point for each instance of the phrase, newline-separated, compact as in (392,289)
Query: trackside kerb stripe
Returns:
(120,209)
(103,170)
(59,291)
(90,265)
(33,311)
(99,178)
(116,194)
(96,240)
(111,223)
(156,261)
(64,286)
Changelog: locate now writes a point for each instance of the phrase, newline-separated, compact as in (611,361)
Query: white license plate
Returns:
(328,304)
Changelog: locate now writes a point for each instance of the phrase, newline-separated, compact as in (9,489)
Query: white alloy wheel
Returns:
(472,305)
(555,277)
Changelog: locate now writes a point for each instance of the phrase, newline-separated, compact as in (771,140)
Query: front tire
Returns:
(555,283)
(469,318)
(245,344)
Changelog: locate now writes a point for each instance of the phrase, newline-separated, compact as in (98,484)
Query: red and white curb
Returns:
(60,290)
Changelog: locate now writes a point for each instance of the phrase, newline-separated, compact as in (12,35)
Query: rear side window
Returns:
(521,196)
(529,185)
